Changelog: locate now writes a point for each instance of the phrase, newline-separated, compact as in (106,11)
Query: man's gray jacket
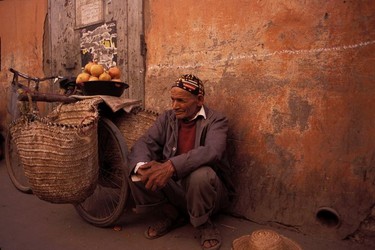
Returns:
(159,143)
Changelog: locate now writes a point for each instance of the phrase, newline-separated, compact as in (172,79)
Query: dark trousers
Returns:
(201,194)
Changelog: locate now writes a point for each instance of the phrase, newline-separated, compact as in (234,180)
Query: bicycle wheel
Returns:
(14,166)
(108,201)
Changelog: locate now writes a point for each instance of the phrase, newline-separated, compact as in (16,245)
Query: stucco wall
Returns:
(296,80)
(21,33)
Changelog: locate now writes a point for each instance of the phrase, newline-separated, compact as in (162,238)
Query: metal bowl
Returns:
(112,88)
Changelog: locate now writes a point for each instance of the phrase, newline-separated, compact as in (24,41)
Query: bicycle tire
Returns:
(108,201)
(14,166)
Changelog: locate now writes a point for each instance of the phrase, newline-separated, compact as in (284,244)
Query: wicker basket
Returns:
(59,153)
(134,124)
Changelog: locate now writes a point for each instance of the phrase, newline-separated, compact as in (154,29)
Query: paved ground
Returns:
(27,223)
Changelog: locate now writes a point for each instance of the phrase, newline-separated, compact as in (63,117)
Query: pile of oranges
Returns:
(96,72)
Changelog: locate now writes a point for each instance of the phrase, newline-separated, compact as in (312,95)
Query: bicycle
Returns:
(111,193)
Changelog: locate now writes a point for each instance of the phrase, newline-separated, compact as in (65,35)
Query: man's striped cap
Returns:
(190,83)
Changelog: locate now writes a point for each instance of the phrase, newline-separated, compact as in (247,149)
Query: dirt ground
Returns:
(28,223)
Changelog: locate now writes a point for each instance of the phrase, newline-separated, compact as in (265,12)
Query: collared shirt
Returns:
(201,112)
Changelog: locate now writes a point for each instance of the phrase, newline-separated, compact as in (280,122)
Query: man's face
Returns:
(185,104)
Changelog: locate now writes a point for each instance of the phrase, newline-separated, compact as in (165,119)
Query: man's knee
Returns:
(204,192)
(203,177)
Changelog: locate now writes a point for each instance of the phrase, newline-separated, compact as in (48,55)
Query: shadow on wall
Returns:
(1,143)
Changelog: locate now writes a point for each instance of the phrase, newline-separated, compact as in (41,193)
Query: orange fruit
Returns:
(114,72)
(93,78)
(104,77)
(82,77)
(96,70)
(87,67)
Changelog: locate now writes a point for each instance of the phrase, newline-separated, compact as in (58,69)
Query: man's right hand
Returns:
(155,175)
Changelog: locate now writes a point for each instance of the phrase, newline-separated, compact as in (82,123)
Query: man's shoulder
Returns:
(212,113)
(167,115)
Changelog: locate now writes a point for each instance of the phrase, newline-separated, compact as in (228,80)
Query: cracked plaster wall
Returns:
(296,80)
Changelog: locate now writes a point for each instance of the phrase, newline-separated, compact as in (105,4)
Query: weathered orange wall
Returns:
(21,32)
(297,81)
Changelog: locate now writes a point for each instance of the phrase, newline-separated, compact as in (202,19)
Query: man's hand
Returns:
(155,175)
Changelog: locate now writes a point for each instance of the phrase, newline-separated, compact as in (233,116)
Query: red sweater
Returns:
(186,136)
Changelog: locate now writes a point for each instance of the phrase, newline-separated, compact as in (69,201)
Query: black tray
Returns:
(111,88)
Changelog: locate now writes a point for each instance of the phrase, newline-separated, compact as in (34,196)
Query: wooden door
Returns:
(116,30)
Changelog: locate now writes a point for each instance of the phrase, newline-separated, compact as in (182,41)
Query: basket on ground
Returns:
(59,152)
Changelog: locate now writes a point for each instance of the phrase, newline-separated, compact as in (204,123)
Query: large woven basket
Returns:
(59,153)
(134,124)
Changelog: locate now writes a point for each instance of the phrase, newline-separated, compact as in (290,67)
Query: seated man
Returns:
(180,164)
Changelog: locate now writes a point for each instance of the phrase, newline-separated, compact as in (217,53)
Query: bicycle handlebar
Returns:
(35,79)
(35,94)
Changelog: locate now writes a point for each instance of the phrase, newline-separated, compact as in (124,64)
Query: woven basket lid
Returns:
(264,240)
